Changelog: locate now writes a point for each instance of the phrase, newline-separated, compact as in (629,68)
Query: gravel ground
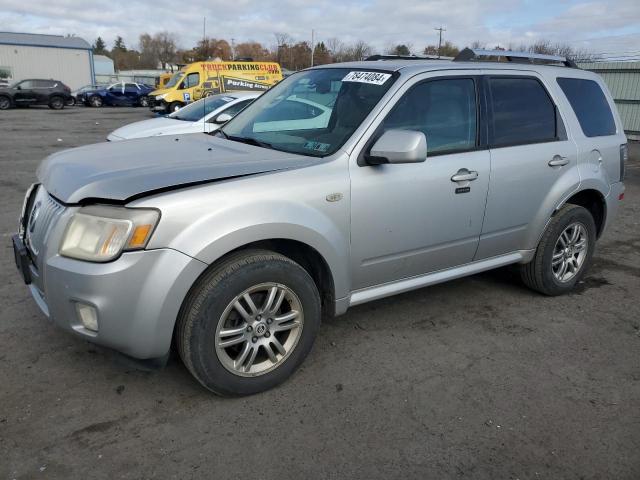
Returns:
(477,378)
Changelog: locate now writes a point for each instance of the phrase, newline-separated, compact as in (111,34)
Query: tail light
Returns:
(624,156)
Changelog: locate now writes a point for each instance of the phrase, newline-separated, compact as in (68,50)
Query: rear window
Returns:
(590,106)
(522,112)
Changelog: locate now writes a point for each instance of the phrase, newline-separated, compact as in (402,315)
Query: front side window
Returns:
(27,84)
(444,110)
(313,112)
(191,80)
(590,106)
(522,112)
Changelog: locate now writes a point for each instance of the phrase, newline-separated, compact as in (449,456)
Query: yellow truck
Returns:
(200,79)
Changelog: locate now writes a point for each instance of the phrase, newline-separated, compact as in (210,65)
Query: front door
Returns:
(25,93)
(411,219)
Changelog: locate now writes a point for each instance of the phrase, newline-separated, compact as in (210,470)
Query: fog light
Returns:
(88,315)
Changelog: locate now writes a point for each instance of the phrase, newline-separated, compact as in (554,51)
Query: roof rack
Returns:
(376,57)
(511,56)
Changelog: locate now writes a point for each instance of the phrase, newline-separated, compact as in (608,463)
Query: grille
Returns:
(39,219)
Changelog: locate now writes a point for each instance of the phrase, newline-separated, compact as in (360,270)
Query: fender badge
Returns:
(334,197)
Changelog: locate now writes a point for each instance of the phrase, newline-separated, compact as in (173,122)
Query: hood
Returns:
(121,170)
(152,127)
(160,91)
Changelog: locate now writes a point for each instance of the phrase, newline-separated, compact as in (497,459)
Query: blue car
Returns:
(126,94)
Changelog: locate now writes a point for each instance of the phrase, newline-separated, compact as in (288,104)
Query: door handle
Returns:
(558,161)
(465,175)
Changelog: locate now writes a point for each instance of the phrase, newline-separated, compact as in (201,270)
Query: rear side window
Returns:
(590,106)
(522,112)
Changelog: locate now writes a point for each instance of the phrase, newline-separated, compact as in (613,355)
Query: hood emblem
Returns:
(334,197)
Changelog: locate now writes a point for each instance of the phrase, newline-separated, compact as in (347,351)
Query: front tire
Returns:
(564,253)
(248,323)
(5,103)
(144,101)
(174,107)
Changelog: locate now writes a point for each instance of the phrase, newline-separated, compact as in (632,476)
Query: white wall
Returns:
(73,67)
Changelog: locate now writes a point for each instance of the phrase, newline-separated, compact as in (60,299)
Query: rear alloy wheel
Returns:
(5,103)
(564,252)
(248,323)
(56,103)
(144,101)
(95,101)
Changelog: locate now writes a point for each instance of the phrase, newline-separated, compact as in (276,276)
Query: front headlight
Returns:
(161,97)
(100,233)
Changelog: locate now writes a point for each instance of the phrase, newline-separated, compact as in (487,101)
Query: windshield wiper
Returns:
(247,140)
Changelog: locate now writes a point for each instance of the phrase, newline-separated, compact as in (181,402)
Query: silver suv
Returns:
(343,184)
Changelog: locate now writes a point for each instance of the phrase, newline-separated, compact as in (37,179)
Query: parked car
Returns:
(205,115)
(53,93)
(121,94)
(77,96)
(233,245)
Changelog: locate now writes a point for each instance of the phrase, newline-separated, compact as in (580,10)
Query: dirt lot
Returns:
(478,378)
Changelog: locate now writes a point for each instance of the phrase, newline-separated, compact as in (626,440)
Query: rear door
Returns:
(533,162)
(42,90)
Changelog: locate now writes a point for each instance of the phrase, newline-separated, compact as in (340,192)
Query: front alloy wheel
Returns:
(259,329)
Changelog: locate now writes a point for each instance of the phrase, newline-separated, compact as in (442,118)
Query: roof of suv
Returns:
(413,67)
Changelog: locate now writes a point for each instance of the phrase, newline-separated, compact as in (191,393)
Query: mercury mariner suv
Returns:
(232,245)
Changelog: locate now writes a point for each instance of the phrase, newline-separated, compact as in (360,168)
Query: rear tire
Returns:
(71,102)
(560,260)
(56,103)
(265,347)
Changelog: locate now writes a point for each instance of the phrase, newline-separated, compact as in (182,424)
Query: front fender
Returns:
(207,222)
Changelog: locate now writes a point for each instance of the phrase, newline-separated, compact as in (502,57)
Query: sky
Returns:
(599,26)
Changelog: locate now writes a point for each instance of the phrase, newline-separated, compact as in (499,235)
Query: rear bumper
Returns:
(613,203)
(137,298)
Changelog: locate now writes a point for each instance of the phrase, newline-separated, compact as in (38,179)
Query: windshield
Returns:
(173,81)
(313,112)
(203,107)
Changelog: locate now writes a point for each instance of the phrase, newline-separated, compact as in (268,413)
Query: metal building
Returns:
(623,80)
(28,55)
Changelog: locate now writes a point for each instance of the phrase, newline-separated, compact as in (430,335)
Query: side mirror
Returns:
(398,146)
(222,118)
(18,87)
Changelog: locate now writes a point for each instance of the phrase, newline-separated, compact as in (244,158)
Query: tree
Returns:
(358,51)
(99,47)
(337,49)
(119,45)
(321,54)
(447,49)
(402,50)
(252,50)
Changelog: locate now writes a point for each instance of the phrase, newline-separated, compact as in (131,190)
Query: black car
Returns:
(53,93)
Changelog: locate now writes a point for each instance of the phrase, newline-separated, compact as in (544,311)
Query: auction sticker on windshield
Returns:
(374,78)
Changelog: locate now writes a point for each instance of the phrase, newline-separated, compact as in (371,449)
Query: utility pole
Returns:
(440,30)
(233,49)
(312,45)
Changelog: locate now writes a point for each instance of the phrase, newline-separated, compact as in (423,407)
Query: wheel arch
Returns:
(594,201)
